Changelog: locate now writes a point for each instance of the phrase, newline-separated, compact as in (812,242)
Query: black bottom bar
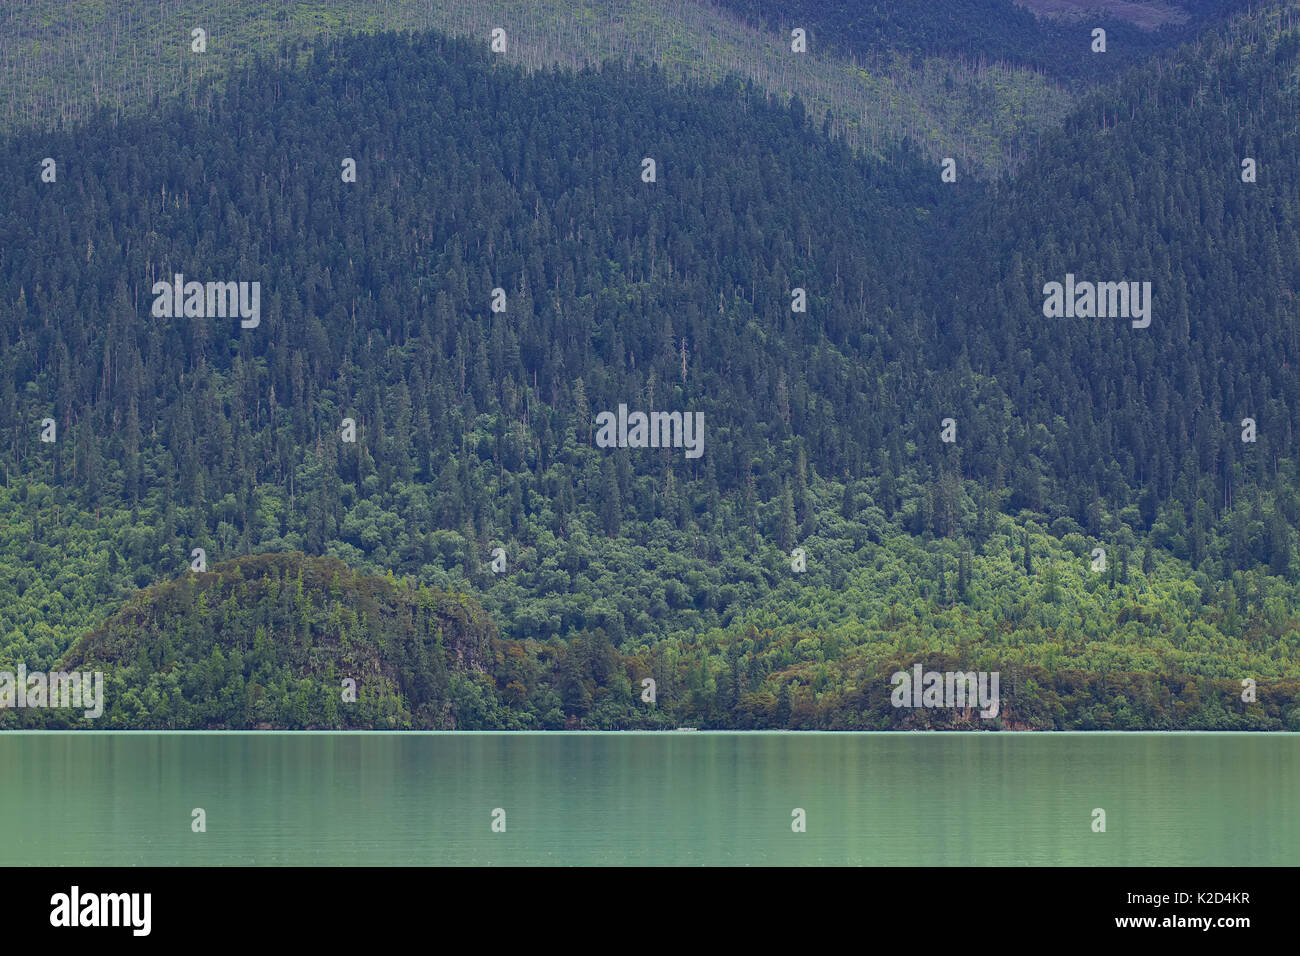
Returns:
(1145,907)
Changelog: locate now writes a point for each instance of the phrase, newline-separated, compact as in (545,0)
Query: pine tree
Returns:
(611,506)
(785,535)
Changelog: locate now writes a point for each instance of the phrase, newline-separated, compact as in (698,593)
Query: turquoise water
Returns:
(639,798)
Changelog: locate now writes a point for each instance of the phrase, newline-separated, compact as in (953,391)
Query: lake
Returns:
(104,798)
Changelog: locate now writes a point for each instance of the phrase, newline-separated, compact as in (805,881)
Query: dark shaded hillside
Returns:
(982,31)
(1145,183)
(63,64)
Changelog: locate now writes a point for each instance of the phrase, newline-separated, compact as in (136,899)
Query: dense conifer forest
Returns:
(987,30)
(919,466)
(978,80)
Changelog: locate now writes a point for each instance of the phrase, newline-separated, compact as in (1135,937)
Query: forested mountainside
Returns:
(978,80)
(823,430)
(992,30)
(1147,182)
(62,62)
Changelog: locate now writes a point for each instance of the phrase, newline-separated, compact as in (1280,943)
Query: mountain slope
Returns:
(63,61)
(475,428)
(1002,31)
(473,425)
(1145,183)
